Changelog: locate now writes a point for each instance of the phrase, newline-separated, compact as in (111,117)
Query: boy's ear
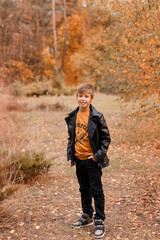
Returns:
(92,98)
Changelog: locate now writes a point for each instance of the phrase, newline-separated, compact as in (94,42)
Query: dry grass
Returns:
(46,209)
(20,167)
(8,125)
(32,130)
(135,124)
(138,131)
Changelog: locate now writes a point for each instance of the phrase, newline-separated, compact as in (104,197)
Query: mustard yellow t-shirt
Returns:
(82,145)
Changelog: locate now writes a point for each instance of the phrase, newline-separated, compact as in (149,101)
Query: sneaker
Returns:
(99,228)
(85,220)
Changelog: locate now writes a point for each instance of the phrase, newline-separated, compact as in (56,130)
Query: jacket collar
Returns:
(94,112)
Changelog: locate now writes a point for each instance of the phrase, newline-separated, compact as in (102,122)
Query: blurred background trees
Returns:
(112,44)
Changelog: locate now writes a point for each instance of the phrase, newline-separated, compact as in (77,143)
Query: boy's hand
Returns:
(71,164)
(91,157)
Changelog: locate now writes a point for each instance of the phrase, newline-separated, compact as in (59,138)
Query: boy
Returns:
(87,146)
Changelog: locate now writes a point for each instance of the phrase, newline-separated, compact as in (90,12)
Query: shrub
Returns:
(7,191)
(50,107)
(18,88)
(31,89)
(57,106)
(20,167)
(44,87)
(68,91)
(27,165)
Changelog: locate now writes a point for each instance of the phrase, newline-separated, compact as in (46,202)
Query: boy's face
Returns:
(84,100)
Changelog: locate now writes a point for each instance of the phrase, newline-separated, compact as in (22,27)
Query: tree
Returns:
(54,32)
(136,60)
(66,34)
(121,50)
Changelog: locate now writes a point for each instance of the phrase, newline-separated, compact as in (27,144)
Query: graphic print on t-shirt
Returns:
(82,145)
(81,133)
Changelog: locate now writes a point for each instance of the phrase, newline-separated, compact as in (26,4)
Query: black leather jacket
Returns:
(98,133)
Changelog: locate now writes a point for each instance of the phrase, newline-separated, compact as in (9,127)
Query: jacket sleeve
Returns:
(69,149)
(104,139)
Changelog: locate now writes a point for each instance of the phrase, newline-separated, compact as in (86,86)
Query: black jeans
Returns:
(89,178)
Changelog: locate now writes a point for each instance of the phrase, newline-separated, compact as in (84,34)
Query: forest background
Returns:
(48,45)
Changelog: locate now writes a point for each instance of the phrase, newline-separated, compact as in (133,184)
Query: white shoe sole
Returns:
(99,236)
(83,225)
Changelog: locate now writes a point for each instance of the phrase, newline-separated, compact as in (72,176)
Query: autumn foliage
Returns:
(121,51)
(115,45)
(137,57)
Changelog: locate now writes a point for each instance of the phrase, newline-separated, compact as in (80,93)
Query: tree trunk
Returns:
(37,30)
(54,32)
(84,20)
(2,42)
(66,34)
(20,41)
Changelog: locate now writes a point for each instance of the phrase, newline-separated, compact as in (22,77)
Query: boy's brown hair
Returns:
(85,87)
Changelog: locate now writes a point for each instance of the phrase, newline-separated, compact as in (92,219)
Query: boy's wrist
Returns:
(94,159)
(71,163)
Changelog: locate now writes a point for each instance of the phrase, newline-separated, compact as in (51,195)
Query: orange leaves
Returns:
(139,30)
(18,70)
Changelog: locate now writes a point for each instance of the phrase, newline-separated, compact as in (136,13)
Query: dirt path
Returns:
(46,209)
